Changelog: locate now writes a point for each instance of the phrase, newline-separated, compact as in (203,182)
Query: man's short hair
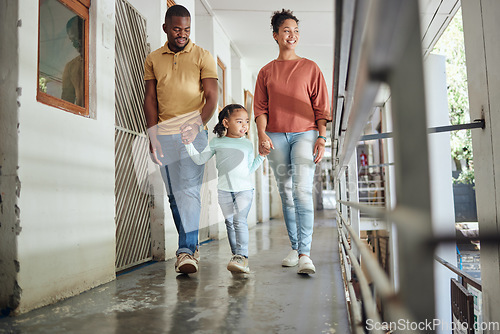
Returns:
(176,10)
(75,22)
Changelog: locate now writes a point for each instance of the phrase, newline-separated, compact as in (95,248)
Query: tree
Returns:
(451,44)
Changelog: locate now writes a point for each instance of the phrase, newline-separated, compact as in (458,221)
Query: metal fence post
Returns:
(406,82)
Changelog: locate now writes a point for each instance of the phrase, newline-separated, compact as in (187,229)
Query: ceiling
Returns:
(248,25)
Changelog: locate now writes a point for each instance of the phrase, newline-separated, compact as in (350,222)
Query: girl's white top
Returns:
(235,161)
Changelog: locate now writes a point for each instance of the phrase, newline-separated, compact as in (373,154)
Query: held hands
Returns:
(189,132)
(265,145)
(190,129)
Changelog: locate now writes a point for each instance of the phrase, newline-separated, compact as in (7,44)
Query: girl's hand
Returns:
(265,144)
(319,150)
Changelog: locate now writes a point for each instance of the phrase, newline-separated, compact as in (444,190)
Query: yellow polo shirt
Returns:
(178,89)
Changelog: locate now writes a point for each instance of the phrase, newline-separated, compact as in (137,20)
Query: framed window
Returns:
(63,55)
(249,103)
(221,73)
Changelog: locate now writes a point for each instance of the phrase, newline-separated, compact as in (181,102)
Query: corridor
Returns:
(154,299)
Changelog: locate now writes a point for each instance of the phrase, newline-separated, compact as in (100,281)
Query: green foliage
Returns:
(451,44)
(42,84)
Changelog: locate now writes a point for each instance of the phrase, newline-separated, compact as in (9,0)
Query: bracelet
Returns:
(322,137)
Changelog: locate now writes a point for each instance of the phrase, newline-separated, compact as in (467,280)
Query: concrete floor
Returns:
(154,299)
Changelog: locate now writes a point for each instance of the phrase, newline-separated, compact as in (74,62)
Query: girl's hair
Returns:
(219,128)
(279,17)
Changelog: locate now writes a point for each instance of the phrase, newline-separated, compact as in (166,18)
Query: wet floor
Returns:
(154,299)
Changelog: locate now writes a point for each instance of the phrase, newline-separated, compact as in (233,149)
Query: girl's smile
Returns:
(237,124)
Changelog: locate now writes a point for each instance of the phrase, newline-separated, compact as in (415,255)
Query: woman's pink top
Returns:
(294,95)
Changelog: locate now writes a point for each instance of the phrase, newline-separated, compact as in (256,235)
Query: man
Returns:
(181,96)
(73,81)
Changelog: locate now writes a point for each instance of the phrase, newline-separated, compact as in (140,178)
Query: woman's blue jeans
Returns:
(293,165)
(183,178)
(235,207)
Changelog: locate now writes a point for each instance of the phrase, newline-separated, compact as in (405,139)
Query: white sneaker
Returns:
(291,260)
(306,266)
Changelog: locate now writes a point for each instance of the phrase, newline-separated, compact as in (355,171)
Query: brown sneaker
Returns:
(238,264)
(186,264)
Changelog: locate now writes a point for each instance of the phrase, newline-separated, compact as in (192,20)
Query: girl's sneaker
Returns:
(238,264)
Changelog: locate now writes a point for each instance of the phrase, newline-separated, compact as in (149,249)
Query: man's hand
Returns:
(154,146)
(151,113)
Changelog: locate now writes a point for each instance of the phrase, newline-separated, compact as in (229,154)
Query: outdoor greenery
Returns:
(451,44)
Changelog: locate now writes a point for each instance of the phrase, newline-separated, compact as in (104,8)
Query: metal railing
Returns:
(380,46)
(465,278)
(393,307)
(462,300)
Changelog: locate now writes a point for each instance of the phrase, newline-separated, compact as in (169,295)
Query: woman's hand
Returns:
(265,144)
(319,150)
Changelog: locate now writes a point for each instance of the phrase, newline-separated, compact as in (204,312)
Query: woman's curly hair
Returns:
(279,17)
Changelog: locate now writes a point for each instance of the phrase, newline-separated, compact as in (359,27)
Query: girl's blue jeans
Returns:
(235,207)
(293,165)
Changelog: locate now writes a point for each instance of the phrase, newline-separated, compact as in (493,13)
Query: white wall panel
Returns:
(66,170)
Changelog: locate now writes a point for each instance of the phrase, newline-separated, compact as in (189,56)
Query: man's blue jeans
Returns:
(235,207)
(293,165)
(183,180)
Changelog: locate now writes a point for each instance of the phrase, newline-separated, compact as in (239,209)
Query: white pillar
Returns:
(442,206)
(390,194)
(482,50)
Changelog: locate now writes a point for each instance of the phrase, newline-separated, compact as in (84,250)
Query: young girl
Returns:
(235,163)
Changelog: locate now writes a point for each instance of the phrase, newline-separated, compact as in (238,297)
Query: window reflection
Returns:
(61,64)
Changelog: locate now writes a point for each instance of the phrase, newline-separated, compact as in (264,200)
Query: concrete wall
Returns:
(66,242)
(9,185)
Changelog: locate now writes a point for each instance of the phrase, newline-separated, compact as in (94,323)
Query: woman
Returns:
(291,112)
